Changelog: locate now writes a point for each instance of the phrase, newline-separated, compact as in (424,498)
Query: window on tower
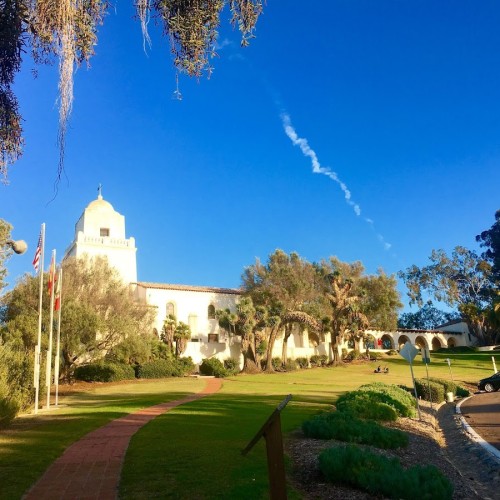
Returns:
(104,231)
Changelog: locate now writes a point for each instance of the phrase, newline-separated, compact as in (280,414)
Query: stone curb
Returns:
(473,434)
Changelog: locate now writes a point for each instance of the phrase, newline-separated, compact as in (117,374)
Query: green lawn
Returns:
(194,451)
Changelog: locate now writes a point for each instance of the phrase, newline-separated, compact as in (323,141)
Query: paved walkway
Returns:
(479,468)
(90,468)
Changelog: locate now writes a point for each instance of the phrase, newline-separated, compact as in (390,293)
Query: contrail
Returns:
(318,169)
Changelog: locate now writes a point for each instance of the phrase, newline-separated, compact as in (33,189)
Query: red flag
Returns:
(52,271)
(38,251)
(57,296)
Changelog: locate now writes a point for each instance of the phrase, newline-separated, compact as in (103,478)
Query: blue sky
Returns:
(394,103)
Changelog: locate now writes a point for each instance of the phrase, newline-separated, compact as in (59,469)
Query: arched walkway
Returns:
(402,341)
(420,342)
(387,342)
(91,467)
(452,342)
(436,344)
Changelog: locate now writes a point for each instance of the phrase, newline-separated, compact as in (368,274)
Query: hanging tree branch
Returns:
(67,30)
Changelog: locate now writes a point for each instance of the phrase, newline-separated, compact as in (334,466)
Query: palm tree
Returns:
(182,334)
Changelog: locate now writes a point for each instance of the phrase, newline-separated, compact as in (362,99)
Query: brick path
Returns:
(90,468)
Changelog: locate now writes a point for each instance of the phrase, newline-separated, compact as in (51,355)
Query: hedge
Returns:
(436,394)
(104,372)
(164,368)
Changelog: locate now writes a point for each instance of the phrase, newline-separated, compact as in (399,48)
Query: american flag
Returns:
(38,251)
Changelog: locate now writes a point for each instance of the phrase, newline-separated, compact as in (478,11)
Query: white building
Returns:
(101,231)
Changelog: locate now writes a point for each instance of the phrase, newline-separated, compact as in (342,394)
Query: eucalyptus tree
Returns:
(287,287)
(461,280)
(67,30)
(490,240)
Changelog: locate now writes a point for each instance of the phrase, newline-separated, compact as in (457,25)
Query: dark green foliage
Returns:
(450,386)
(213,367)
(163,368)
(462,392)
(343,426)
(359,402)
(318,360)
(461,349)
(277,363)
(104,372)
(379,475)
(302,362)
(353,355)
(9,409)
(290,365)
(368,405)
(392,352)
(436,394)
(232,366)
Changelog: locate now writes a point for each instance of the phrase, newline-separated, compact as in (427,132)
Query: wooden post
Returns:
(271,431)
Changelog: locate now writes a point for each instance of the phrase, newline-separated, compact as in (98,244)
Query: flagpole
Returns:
(38,348)
(58,344)
(51,326)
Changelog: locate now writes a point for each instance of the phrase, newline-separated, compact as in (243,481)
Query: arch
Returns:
(402,341)
(351,344)
(436,344)
(171,309)
(211,312)
(452,342)
(370,341)
(421,342)
(387,342)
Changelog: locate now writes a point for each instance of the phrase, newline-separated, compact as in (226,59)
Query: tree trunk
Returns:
(270,346)
(336,350)
(284,351)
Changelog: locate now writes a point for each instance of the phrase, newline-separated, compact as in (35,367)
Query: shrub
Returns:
(343,426)
(450,386)
(392,352)
(104,372)
(367,405)
(163,368)
(213,367)
(8,411)
(360,402)
(353,355)
(232,366)
(379,475)
(302,362)
(436,394)
(277,363)
(318,360)
(290,366)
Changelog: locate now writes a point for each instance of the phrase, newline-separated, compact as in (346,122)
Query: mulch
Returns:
(438,439)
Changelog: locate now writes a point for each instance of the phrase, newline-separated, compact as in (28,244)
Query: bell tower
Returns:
(101,231)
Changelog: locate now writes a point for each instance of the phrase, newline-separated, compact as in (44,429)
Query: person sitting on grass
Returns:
(386,369)
(378,370)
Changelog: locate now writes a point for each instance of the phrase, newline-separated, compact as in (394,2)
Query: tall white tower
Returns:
(101,231)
